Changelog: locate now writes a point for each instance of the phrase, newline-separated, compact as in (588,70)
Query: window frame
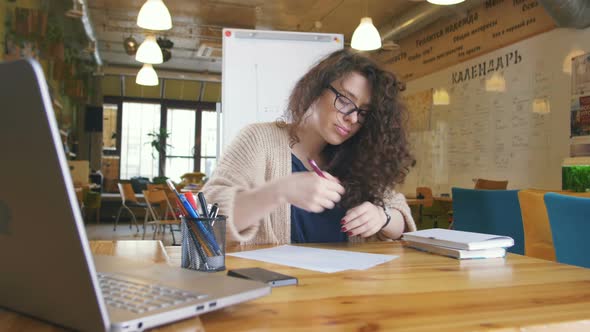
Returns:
(197,106)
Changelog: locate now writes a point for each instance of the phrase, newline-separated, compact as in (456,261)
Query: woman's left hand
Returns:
(364,220)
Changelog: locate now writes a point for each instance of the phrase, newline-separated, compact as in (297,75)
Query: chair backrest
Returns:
(489,211)
(425,193)
(538,241)
(159,186)
(491,184)
(570,226)
(158,203)
(127,193)
(537,232)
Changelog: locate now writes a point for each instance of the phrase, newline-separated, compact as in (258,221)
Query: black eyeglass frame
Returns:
(361,114)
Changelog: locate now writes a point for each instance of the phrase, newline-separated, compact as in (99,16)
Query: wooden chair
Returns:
(429,207)
(159,186)
(538,240)
(491,212)
(128,201)
(491,184)
(171,197)
(158,207)
(568,217)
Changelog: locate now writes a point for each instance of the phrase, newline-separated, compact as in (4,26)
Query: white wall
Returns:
(496,135)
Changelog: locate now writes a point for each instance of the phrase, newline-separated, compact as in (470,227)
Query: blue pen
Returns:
(188,207)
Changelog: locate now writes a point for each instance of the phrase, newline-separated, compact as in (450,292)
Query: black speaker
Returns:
(93,118)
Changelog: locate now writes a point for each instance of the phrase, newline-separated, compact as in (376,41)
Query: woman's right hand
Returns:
(310,192)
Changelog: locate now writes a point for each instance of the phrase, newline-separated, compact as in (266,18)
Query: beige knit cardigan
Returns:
(259,154)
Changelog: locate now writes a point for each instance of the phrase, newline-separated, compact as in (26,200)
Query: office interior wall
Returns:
(496,134)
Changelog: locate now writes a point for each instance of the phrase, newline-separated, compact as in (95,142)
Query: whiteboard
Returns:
(259,70)
(499,135)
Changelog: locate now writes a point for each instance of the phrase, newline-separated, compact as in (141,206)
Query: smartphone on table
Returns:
(274,279)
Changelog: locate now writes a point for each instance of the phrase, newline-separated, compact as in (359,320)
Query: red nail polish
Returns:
(342,221)
(349,233)
(343,229)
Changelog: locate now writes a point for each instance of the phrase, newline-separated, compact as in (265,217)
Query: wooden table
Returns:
(415,292)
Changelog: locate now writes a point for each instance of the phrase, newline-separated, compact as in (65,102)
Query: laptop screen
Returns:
(47,267)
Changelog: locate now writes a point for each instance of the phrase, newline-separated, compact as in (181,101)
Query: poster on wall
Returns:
(580,105)
(580,116)
(581,75)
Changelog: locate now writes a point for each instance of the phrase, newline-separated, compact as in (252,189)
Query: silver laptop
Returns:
(48,270)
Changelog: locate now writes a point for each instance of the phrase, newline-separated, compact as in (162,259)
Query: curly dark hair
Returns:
(377,157)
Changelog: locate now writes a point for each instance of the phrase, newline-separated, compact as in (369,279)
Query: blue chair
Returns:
(569,218)
(489,211)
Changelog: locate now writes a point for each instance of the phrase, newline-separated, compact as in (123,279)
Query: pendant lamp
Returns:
(366,37)
(149,51)
(147,76)
(154,15)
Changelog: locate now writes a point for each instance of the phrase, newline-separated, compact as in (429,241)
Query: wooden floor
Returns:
(104,231)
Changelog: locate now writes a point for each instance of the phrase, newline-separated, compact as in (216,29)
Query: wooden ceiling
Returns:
(198,24)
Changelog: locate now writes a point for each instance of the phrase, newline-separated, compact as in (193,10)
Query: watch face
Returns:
(5,218)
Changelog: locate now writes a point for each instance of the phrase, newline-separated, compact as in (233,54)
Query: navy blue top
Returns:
(315,227)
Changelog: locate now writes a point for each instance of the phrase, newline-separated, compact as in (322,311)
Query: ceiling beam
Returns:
(169,74)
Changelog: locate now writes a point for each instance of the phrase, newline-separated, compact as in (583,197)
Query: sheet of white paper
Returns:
(322,260)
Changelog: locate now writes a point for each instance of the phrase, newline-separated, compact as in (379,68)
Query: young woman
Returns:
(346,115)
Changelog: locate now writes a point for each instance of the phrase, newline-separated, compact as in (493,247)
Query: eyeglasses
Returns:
(346,107)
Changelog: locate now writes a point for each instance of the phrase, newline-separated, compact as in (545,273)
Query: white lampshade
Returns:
(147,76)
(154,15)
(445,2)
(366,37)
(149,51)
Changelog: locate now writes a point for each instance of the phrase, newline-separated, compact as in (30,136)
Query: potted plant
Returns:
(158,143)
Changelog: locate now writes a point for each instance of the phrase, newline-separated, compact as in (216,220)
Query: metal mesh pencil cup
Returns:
(203,243)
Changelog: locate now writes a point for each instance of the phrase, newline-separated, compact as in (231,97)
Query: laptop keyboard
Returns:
(141,297)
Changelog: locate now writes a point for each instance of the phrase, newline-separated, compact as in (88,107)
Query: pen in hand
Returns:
(315,168)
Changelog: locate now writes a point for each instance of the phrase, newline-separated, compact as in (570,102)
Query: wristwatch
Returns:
(387,215)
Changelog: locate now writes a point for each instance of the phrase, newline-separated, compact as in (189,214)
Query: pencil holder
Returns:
(203,243)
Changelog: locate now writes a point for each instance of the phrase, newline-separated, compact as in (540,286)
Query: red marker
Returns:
(191,199)
(315,168)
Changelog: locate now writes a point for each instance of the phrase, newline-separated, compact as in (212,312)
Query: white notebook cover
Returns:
(459,239)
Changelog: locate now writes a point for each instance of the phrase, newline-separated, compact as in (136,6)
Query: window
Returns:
(180,153)
(109,131)
(190,147)
(208,142)
(138,158)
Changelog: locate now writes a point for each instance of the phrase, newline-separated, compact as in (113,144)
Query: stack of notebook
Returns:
(459,244)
